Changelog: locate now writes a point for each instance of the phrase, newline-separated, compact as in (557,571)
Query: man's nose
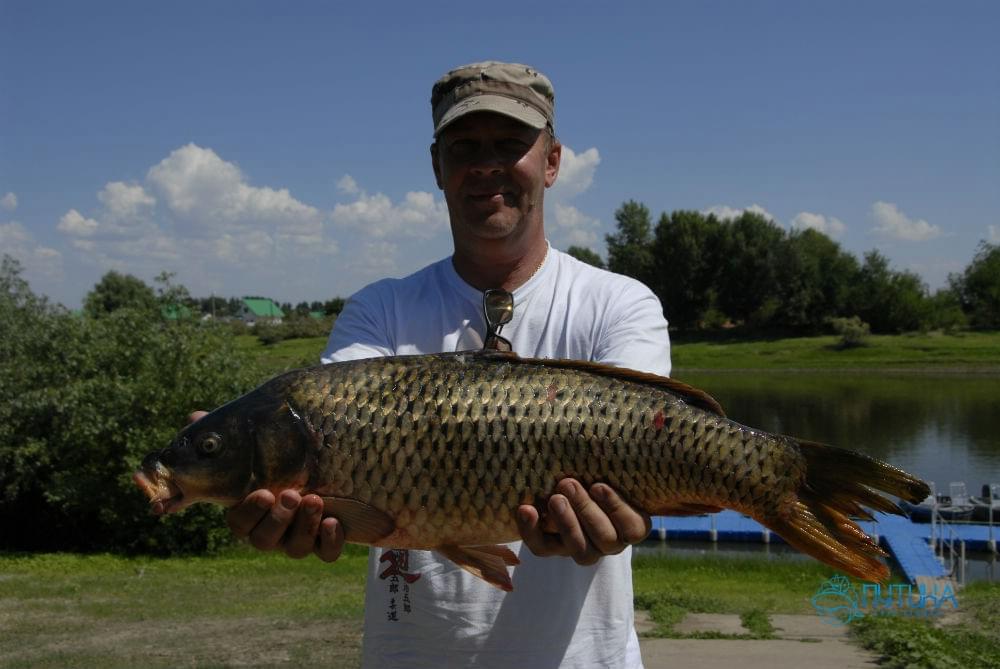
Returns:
(487,160)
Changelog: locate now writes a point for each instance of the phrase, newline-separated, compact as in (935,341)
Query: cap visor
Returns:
(498,104)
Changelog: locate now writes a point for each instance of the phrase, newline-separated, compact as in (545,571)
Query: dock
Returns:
(907,542)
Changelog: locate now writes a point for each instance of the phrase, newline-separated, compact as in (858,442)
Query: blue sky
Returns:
(281,149)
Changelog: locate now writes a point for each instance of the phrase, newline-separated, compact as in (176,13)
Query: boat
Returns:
(986,507)
(952,507)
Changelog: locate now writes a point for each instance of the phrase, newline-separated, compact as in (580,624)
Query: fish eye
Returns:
(210,444)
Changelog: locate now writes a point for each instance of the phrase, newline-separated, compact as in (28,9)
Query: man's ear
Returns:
(552,162)
(435,166)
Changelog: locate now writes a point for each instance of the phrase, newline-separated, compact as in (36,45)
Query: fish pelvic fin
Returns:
(486,562)
(839,484)
(362,523)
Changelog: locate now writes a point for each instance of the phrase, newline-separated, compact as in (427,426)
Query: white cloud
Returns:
(74,223)
(38,260)
(13,234)
(575,227)
(347,185)
(892,223)
(723,211)
(9,202)
(994,233)
(806,220)
(203,206)
(576,173)
(207,194)
(418,215)
(125,202)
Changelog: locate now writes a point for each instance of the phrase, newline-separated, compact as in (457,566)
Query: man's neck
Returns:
(493,269)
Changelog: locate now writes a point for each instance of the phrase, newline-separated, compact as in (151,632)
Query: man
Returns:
(493,156)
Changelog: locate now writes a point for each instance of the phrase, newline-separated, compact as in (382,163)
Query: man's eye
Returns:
(513,146)
(463,147)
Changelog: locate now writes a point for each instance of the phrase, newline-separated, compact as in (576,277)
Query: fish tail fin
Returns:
(839,484)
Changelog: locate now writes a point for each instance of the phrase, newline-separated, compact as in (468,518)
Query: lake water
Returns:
(942,428)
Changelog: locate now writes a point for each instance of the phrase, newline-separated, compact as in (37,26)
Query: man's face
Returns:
(494,172)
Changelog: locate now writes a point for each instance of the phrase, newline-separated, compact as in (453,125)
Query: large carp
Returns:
(438,451)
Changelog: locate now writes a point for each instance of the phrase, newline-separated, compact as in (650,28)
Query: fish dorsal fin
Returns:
(690,394)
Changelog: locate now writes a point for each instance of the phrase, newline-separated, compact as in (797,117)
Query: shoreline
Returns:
(916,370)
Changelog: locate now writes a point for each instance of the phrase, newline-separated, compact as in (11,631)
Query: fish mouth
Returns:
(165,496)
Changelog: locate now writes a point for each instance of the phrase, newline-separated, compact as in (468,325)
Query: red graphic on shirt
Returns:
(399,565)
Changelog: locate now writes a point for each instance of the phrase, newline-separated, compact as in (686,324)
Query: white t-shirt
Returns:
(422,610)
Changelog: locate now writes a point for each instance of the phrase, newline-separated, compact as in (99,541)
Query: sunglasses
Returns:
(498,309)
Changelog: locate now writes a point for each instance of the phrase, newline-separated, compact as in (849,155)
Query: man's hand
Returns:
(290,522)
(588,526)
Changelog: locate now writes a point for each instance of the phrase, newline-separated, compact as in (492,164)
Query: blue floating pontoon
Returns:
(908,542)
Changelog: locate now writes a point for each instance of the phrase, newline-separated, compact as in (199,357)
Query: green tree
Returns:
(815,278)
(978,287)
(630,250)
(686,253)
(116,291)
(888,300)
(334,306)
(82,400)
(748,282)
(584,254)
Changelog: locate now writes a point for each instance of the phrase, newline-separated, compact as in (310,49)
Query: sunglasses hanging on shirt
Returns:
(498,309)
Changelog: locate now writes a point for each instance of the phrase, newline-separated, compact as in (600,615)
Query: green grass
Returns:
(257,609)
(283,355)
(971,351)
(963,352)
(669,587)
(59,610)
(969,642)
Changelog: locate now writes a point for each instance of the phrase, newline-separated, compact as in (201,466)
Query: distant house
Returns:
(260,310)
(175,312)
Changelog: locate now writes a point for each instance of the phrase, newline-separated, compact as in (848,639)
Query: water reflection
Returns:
(942,428)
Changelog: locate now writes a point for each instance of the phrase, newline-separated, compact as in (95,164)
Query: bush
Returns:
(853,331)
(82,401)
(293,328)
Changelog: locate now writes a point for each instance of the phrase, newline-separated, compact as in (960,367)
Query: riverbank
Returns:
(964,352)
(261,609)
(976,352)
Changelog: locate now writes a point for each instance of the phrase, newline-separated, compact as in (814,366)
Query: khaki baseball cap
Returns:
(518,91)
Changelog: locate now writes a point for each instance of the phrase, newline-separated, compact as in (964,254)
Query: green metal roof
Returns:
(263,307)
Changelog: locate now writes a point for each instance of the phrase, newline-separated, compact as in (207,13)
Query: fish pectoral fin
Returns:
(362,523)
(685,509)
(486,562)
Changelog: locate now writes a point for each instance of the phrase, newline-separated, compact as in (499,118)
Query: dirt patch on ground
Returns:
(240,642)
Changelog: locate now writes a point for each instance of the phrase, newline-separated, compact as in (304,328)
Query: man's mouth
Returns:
(492,196)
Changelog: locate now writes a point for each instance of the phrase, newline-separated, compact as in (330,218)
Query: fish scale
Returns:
(563,444)
(438,451)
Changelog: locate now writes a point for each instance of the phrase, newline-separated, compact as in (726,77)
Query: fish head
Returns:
(250,443)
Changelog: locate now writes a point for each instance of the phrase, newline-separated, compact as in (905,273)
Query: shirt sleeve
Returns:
(360,331)
(635,335)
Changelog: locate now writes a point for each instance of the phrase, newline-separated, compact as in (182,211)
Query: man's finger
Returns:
(195,416)
(243,517)
(300,539)
(594,521)
(331,540)
(632,525)
(540,543)
(573,538)
(271,529)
